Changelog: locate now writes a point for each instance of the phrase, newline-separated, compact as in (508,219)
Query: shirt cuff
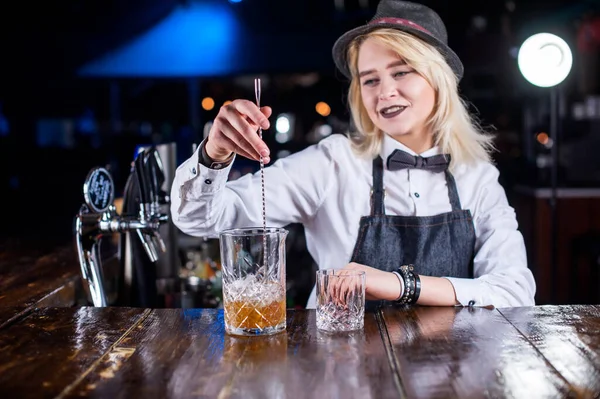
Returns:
(204,159)
(468,291)
(200,180)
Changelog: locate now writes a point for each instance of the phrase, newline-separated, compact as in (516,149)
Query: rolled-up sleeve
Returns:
(502,277)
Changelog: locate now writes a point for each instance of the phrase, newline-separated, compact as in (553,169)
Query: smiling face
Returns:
(398,100)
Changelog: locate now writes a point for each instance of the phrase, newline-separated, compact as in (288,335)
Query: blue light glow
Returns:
(199,39)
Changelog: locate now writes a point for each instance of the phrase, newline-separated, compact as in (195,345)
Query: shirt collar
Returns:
(390,144)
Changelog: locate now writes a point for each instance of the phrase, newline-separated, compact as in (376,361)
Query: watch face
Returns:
(98,190)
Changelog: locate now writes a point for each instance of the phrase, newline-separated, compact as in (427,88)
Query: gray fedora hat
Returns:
(413,18)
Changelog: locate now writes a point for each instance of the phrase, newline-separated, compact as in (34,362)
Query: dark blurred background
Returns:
(83,83)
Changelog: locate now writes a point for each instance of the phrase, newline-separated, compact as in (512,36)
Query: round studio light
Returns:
(545,60)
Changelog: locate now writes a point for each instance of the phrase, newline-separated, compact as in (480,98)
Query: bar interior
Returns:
(138,260)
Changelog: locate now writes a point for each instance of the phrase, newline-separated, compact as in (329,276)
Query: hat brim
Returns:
(340,47)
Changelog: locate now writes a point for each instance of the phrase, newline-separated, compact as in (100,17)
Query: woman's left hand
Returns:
(379,284)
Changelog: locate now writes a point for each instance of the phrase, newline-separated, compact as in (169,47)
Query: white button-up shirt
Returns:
(327,188)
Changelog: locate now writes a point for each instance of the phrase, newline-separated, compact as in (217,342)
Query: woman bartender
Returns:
(410,196)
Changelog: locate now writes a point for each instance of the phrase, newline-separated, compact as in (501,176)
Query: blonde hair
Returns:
(455,131)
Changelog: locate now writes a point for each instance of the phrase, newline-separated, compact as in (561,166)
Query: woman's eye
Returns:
(400,74)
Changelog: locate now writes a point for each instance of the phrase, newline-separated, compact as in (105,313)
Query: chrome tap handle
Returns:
(98,217)
(148,244)
(156,176)
(158,241)
(142,177)
(88,251)
(98,192)
(151,177)
(151,240)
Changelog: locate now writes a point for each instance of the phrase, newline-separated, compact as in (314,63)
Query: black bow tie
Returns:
(403,160)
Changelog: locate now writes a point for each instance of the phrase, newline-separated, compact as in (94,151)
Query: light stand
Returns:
(545,60)
(554,186)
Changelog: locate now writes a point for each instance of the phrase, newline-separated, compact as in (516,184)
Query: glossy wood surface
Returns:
(419,352)
(465,353)
(42,273)
(34,274)
(44,353)
(8,315)
(568,337)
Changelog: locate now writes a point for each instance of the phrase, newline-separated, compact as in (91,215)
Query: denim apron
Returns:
(439,245)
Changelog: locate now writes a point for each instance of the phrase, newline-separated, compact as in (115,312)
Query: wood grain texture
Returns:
(29,275)
(467,353)
(569,337)
(8,315)
(539,352)
(45,352)
(186,353)
(44,274)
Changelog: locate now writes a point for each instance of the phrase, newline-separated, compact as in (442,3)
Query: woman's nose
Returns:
(387,90)
(386,95)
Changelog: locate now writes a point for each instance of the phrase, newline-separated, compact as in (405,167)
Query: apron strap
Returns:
(377,192)
(452,192)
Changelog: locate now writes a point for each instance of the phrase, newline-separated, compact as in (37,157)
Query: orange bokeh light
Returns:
(208,103)
(323,108)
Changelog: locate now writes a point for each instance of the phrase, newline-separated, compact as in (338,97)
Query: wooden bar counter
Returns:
(36,274)
(419,352)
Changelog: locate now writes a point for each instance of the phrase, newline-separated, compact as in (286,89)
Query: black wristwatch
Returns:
(205,160)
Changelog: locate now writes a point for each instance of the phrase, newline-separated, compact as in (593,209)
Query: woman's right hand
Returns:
(235,129)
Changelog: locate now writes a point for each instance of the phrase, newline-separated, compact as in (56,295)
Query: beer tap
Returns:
(148,169)
(98,217)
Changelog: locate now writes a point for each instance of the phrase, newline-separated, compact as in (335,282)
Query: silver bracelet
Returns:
(401,285)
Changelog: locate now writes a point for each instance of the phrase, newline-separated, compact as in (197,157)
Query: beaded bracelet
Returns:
(412,285)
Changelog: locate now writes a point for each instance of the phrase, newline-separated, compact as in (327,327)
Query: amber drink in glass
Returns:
(253,269)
